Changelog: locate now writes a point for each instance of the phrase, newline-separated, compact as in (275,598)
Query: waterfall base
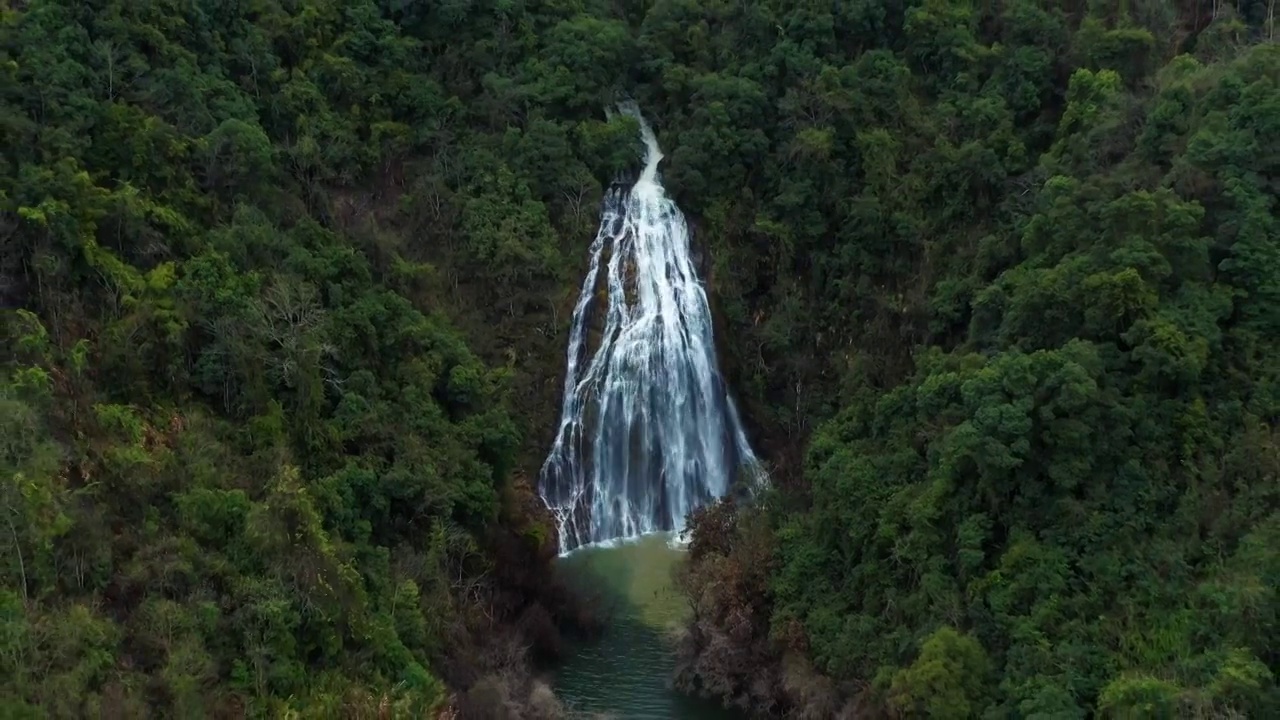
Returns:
(626,673)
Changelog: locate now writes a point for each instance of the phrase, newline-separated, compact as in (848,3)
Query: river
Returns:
(626,674)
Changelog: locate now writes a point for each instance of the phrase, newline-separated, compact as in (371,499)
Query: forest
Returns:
(284,289)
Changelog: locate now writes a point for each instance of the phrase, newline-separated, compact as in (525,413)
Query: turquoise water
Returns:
(626,674)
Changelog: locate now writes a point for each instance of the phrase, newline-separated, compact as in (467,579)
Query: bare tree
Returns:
(576,199)
(291,321)
(110,55)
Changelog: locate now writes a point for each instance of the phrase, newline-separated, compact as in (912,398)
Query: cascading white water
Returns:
(647,431)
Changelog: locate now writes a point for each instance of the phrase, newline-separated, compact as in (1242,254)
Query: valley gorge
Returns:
(388,359)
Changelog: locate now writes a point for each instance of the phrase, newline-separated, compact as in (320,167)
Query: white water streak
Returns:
(647,431)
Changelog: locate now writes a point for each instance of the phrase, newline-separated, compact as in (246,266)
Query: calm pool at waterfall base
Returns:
(626,673)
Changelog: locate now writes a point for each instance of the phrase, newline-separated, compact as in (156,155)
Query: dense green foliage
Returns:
(248,465)
(1049,261)
(289,281)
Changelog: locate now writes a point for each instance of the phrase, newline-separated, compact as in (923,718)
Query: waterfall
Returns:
(647,430)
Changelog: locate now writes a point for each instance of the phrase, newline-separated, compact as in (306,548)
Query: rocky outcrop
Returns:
(728,651)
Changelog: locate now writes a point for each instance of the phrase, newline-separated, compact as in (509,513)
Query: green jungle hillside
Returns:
(284,294)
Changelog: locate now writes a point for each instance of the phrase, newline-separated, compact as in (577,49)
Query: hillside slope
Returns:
(285,285)
(1048,481)
(281,290)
